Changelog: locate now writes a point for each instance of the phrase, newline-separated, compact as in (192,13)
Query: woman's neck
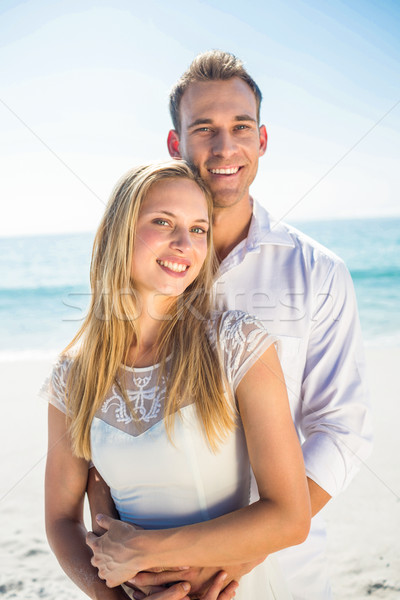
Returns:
(152,315)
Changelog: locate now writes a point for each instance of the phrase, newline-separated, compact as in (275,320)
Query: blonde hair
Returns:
(111,326)
(213,65)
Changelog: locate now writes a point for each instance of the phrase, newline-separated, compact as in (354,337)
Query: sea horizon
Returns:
(44,284)
(298,222)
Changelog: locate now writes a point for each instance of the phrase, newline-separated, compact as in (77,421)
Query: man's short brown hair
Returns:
(214,65)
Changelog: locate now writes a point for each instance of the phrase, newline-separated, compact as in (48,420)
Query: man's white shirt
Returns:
(304,295)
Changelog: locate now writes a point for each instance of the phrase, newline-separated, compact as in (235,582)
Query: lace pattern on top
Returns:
(53,389)
(242,340)
(146,402)
(146,393)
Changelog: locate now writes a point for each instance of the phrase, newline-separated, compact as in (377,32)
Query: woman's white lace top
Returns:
(242,339)
(158,484)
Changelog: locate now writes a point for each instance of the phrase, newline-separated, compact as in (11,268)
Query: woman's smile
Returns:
(174,266)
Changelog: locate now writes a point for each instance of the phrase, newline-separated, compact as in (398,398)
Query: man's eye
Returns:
(242,127)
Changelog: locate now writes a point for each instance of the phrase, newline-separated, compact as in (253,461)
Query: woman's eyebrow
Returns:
(170,214)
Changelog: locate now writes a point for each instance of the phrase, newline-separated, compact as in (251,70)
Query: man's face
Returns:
(220,136)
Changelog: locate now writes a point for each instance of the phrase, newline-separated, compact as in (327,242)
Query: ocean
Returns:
(44,283)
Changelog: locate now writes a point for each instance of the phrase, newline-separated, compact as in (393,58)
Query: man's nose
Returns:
(224,144)
(181,239)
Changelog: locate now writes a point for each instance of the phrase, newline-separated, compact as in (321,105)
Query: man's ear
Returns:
(173,144)
(263,140)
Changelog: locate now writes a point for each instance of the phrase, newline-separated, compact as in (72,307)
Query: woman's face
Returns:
(171,238)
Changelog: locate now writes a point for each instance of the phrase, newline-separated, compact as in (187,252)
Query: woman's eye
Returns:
(198,230)
(160,222)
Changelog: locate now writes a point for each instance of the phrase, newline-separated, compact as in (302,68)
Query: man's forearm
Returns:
(100,500)
(67,540)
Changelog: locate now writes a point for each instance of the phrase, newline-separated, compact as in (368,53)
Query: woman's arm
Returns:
(65,486)
(279,519)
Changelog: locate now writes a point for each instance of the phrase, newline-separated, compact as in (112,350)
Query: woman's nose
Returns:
(181,240)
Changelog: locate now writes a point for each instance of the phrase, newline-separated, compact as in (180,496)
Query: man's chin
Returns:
(226,200)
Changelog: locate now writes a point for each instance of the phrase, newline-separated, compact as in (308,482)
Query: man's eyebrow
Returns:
(237,118)
(200,122)
(245,118)
(170,214)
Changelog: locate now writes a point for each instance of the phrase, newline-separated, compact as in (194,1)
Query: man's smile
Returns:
(224,171)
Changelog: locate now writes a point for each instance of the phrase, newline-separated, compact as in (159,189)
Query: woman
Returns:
(170,401)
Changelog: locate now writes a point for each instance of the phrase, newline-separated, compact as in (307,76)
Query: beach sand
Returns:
(363,522)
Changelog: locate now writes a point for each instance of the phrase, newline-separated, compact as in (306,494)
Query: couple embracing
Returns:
(213,400)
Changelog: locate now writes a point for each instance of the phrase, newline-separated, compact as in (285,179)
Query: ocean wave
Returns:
(42,290)
(364,274)
(391,273)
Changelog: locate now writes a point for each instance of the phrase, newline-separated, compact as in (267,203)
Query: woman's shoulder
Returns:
(242,339)
(236,324)
(235,330)
(53,388)
(62,366)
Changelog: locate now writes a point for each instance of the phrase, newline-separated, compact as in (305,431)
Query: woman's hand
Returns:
(112,554)
(118,554)
(113,558)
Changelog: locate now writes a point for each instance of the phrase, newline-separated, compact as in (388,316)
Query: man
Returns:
(301,291)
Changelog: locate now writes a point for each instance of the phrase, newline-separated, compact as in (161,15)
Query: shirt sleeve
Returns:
(53,389)
(335,419)
(243,340)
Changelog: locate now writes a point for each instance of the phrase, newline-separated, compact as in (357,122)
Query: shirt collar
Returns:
(263,230)
(266,230)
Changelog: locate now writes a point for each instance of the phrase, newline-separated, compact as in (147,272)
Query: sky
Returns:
(84,96)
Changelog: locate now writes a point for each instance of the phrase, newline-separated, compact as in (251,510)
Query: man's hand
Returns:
(200,579)
(180,590)
(217,593)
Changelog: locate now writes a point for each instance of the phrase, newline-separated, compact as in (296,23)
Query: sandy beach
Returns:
(363,523)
